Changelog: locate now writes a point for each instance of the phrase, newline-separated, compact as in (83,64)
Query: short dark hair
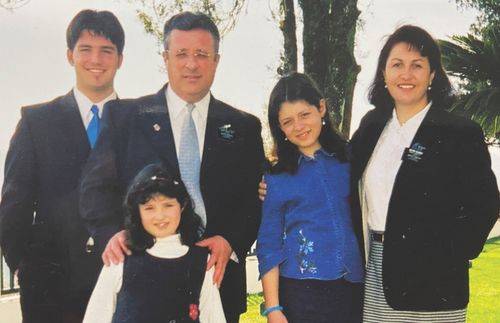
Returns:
(441,93)
(151,180)
(189,21)
(291,88)
(101,23)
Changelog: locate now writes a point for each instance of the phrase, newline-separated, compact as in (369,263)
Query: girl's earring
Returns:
(385,85)
(323,121)
(429,87)
(286,139)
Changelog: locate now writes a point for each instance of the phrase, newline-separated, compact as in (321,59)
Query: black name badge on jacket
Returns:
(226,133)
(414,153)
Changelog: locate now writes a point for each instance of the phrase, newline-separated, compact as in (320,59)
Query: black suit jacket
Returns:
(138,132)
(441,210)
(41,233)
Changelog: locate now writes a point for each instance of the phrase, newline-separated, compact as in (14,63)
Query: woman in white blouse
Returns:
(427,195)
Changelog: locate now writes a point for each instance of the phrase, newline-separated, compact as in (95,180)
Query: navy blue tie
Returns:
(93,127)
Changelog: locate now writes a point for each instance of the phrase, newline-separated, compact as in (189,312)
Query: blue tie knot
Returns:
(95,110)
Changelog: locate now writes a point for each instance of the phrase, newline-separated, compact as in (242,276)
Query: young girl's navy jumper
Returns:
(161,289)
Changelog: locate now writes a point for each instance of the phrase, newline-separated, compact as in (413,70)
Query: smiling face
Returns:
(96,61)
(407,75)
(191,63)
(301,123)
(161,215)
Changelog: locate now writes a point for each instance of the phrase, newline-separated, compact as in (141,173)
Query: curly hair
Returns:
(151,180)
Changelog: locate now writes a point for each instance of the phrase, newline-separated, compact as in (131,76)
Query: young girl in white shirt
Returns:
(164,280)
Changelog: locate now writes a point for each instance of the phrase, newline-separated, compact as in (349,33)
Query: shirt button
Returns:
(403,236)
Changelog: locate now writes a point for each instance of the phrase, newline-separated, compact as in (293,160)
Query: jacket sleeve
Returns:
(100,191)
(478,193)
(19,201)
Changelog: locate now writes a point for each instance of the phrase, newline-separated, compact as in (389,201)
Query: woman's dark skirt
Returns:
(377,310)
(321,301)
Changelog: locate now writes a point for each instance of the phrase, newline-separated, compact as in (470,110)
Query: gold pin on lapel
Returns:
(156,127)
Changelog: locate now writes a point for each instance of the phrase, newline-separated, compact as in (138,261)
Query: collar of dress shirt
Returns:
(411,125)
(84,104)
(176,105)
(316,154)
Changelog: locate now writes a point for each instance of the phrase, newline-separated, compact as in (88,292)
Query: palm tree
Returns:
(475,61)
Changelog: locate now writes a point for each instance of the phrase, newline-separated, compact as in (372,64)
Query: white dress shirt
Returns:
(177,112)
(102,303)
(85,104)
(380,174)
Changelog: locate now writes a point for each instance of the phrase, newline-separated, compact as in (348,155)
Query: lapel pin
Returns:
(156,127)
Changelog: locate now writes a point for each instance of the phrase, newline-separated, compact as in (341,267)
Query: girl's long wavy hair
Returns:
(150,181)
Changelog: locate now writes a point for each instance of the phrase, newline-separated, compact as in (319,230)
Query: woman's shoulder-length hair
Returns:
(441,92)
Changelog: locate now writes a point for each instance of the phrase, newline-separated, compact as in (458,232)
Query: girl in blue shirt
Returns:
(309,257)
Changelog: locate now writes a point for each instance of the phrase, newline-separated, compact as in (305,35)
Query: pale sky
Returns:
(34,67)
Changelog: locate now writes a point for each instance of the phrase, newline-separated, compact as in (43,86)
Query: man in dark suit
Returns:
(225,143)
(41,234)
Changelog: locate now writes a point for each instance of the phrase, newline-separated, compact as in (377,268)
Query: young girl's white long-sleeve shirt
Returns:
(102,303)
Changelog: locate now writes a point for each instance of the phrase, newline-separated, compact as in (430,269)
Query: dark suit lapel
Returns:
(213,142)
(67,121)
(155,123)
(426,138)
(370,137)
(417,160)
(213,119)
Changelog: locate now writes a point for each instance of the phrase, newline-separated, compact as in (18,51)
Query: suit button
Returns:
(403,236)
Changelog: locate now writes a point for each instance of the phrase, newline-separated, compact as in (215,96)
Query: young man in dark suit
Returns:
(41,234)
(224,143)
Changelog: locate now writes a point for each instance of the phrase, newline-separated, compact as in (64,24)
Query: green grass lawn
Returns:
(484,303)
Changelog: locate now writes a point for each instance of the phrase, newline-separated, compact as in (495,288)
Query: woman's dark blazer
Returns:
(444,202)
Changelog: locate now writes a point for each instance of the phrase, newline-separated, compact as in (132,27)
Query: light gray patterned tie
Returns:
(189,162)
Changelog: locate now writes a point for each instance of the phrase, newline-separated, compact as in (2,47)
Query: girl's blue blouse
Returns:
(306,225)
